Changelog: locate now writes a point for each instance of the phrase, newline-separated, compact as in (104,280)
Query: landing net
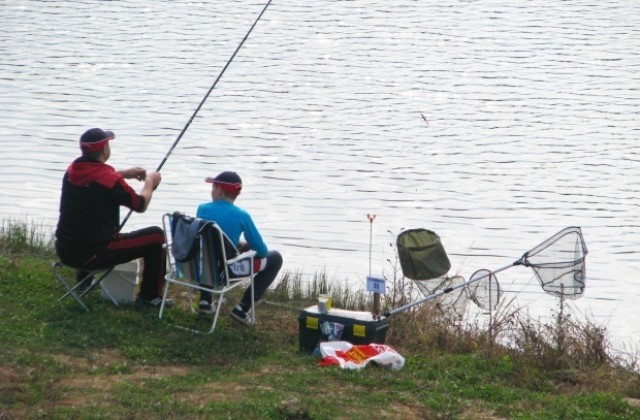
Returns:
(559,263)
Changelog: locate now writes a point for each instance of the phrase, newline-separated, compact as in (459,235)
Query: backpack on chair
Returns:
(186,233)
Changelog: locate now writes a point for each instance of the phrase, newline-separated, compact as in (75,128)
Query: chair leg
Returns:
(70,290)
(108,294)
(73,290)
(219,302)
(164,297)
(98,282)
(220,296)
(253,303)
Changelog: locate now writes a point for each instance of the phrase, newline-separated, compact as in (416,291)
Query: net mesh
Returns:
(559,263)
(457,300)
(486,291)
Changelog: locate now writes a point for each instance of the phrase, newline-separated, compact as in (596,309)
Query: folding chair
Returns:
(80,290)
(209,271)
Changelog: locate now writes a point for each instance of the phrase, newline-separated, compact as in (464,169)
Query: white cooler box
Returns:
(121,282)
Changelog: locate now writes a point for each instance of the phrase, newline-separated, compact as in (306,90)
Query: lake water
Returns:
(494,123)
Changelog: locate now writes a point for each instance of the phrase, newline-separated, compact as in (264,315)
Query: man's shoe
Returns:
(241,316)
(205,308)
(153,303)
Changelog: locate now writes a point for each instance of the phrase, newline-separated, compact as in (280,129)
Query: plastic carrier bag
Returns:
(349,356)
(421,254)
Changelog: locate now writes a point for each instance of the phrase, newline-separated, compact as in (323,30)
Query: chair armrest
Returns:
(248,254)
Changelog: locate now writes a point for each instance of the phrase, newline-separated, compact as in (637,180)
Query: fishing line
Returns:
(175,143)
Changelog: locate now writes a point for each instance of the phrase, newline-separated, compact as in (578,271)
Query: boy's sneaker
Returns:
(205,307)
(154,303)
(240,315)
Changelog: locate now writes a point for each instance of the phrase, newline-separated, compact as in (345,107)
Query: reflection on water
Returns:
(493,123)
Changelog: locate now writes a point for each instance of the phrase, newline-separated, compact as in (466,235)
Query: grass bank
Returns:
(57,361)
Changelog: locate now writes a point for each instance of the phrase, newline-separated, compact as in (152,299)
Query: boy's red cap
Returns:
(229,181)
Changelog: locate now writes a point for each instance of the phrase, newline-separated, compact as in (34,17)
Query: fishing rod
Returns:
(175,143)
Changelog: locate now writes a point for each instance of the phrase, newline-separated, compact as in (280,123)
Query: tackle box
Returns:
(358,327)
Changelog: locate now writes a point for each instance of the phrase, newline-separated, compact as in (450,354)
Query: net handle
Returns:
(449,290)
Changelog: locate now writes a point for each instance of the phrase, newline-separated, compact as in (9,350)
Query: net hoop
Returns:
(559,263)
(486,291)
(457,302)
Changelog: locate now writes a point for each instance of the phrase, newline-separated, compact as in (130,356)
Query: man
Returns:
(87,235)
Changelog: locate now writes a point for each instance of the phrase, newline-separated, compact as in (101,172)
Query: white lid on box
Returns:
(344,313)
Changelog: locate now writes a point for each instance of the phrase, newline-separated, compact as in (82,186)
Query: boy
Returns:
(234,222)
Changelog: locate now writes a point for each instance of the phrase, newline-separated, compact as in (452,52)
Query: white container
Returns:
(121,282)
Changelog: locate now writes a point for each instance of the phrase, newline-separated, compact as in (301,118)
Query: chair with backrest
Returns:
(82,288)
(210,269)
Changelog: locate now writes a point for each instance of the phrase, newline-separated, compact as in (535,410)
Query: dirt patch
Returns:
(8,374)
(71,362)
(480,414)
(213,392)
(10,379)
(86,388)
(403,411)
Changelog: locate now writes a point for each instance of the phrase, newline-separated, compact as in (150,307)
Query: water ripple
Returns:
(493,123)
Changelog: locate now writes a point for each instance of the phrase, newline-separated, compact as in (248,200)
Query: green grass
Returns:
(57,361)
